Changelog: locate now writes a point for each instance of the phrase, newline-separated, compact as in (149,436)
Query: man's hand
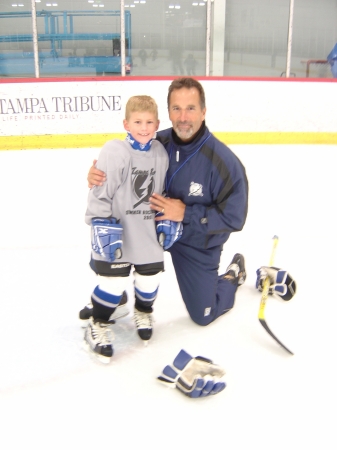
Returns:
(171,209)
(95,176)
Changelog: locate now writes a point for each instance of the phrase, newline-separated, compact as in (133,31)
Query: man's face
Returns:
(185,112)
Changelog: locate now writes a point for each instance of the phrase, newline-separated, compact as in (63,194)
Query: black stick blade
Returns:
(265,326)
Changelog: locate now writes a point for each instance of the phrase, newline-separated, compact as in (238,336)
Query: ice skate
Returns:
(122,310)
(143,322)
(236,270)
(98,339)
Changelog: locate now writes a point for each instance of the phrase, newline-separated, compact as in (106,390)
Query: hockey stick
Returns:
(264,297)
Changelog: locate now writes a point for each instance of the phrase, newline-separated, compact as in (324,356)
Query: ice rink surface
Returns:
(53,395)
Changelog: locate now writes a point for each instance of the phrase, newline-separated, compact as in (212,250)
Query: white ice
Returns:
(53,395)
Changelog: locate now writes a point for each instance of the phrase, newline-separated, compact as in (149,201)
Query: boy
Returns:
(123,226)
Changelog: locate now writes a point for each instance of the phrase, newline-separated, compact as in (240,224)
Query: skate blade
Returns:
(121,311)
(96,356)
(118,314)
(145,341)
(84,322)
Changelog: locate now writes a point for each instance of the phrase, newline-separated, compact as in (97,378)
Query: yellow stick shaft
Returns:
(266,283)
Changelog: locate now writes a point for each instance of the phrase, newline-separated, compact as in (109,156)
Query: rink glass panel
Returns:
(165,38)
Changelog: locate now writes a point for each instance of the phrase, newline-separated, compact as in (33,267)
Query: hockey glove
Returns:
(168,232)
(106,238)
(194,377)
(281,283)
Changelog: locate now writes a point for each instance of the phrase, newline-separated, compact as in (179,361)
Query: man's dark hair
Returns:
(188,83)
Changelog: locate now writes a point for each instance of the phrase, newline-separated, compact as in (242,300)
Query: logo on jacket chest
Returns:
(143,185)
(195,189)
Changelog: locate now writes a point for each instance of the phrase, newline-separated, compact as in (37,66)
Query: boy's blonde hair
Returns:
(141,103)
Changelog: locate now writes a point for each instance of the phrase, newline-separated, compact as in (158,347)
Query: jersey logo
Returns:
(143,185)
(207,312)
(120,266)
(196,189)
(102,230)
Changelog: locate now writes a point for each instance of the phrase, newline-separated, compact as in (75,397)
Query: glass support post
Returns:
(35,44)
(122,55)
(290,37)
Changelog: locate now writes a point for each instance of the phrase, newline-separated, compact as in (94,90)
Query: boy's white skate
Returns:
(143,323)
(98,339)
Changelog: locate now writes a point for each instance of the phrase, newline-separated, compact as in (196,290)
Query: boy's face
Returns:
(142,126)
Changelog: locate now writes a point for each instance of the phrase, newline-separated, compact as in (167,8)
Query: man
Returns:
(207,190)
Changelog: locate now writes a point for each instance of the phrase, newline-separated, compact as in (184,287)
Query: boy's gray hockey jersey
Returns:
(132,177)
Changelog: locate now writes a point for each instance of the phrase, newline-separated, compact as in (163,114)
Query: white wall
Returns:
(77,107)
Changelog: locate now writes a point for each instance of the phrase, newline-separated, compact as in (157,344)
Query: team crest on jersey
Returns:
(143,185)
(196,189)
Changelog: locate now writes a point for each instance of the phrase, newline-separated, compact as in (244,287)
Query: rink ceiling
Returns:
(53,392)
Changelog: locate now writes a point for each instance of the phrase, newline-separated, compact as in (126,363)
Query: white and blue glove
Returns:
(194,377)
(107,238)
(281,283)
(168,232)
